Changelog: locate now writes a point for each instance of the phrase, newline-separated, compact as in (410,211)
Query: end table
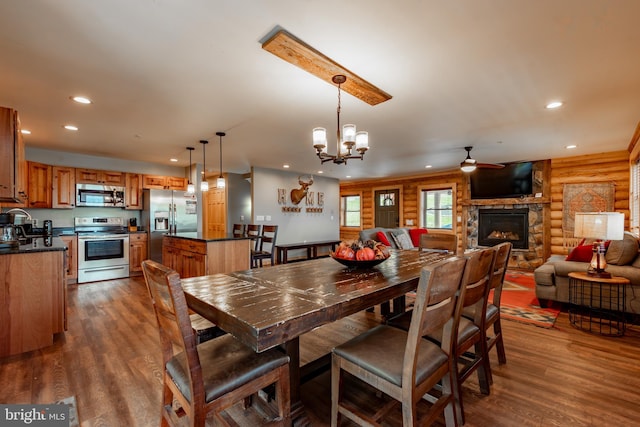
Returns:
(597,304)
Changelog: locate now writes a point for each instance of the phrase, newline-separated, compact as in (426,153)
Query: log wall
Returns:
(603,167)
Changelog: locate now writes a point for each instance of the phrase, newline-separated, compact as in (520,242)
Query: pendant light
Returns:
(220,183)
(204,185)
(190,187)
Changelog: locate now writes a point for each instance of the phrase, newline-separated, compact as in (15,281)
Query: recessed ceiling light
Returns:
(173,160)
(80,99)
(25,132)
(320,171)
(554,104)
(572,146)
(428,166)
(71,127)
(285,166)
(348,176)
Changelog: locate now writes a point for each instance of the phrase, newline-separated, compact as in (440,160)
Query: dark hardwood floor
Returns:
(110,360)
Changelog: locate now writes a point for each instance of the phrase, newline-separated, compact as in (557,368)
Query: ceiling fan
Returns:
(469,164)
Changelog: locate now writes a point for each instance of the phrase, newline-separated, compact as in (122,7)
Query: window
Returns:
(350,211)
(437,208)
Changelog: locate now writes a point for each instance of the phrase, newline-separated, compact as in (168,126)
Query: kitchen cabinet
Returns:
(133,191)
(96,176)
(71,242)
(192,257)
(188,258)
(159,182)
(137,253)
(13,173)
(39,185)
(33,300)
(63,187)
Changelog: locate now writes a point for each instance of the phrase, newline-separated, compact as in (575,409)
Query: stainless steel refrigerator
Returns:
(167,212)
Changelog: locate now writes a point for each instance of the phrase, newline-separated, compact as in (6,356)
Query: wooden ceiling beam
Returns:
(293,50)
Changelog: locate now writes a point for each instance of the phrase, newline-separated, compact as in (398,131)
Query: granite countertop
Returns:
(206,237)
(37,244)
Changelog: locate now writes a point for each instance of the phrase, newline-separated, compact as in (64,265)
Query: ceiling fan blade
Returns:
(490,165)
(293,50)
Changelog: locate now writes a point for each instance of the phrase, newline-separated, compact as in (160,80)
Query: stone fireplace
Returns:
(503,225)
(521,224)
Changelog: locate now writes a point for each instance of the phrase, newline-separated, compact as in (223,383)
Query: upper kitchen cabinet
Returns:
(158,182)
(13,174)
(95,176)
(133,191)
(64,187)
(39,185)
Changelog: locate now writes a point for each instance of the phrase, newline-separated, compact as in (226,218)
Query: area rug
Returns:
(519,302)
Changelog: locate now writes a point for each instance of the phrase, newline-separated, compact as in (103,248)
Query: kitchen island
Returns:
(194,254)
(32,294)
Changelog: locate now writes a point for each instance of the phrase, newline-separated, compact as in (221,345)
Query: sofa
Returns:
(623,259)
(396,238)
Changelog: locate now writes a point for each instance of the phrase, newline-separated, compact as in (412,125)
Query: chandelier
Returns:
(346,141)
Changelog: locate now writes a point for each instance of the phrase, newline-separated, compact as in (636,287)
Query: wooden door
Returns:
(39,185)
(63,187)
(387,212)
(215,211)
(137,252)
(176,183)
(113,178)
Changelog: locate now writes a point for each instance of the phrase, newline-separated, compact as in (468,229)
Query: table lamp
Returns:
(600,226)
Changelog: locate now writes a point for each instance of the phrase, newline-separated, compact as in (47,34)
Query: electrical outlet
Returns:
(260,218)
(268,217)
(241,217)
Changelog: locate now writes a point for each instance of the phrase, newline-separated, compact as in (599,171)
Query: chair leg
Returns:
(483,369)
(497,330)
(336,385)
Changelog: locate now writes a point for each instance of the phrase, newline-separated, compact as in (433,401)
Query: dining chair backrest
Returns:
(477,286)
(440,291)
(172,314)
(268,238)
(439,241)
(503,251)
(253,232)
(238,230)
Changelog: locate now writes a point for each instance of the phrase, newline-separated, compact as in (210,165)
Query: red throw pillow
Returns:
(582,253)
(415,234)
(382,238)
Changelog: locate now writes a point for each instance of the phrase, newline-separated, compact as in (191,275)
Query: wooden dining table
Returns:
(274,306)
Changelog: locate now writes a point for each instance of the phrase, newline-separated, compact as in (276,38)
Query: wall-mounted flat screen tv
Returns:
(513,180)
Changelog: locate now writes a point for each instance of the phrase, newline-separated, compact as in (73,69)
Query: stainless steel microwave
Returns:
(99,195)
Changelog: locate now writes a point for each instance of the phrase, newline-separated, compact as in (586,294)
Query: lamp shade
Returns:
(599,225)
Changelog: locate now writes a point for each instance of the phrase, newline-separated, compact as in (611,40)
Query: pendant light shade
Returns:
(220,182)
(190,187)
(204,185)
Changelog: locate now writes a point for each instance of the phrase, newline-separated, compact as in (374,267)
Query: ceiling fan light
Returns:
(468,165)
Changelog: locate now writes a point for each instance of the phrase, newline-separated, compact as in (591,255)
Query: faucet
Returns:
(22,211)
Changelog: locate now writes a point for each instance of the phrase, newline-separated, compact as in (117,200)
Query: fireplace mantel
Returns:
(509,201)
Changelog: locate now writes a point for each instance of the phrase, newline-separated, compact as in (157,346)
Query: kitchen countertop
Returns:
(206,237)
(37,244)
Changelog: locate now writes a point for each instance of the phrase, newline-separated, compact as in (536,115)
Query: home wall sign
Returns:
(297,195)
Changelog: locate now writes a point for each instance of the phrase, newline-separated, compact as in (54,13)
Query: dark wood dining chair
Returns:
(403,364)
(471,347)
(266,247)
(492,316)
(434,241)
(212,376)
(239,230)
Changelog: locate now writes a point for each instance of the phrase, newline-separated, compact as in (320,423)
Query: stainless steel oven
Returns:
(103,249)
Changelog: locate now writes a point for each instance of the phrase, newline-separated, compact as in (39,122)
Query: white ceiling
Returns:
(164,74)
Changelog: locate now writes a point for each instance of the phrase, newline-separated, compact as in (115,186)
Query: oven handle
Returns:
(94,270)
(104,237)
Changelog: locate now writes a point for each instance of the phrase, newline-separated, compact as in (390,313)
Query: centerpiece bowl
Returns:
(353,264)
